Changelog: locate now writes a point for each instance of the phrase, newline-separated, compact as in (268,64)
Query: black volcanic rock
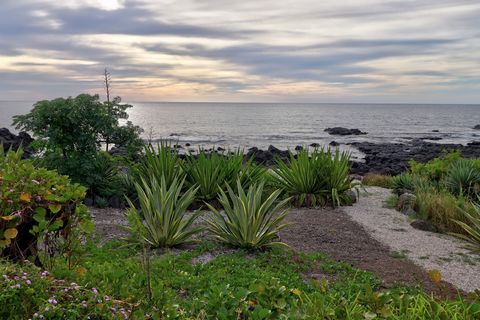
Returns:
(12,141)
(334,143)
(393,158)
(344,131)
(477,127)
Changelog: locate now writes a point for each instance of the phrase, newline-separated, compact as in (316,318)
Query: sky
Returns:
(404,51)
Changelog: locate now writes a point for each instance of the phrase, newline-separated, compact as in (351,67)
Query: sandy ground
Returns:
(428,250)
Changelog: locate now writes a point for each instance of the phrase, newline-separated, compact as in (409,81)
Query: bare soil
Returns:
(333,232)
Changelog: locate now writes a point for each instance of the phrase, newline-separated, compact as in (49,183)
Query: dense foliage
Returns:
(28,292)
(447,192)
(70,132)
(35,204)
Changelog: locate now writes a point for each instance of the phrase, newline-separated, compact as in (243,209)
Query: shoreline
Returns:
(386,158)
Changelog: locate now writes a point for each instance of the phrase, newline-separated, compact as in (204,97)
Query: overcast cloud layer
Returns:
(211,50)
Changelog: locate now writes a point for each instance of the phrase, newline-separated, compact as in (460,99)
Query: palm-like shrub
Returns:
(472,229)
(316,178)
(249,220)
(403,182)
(463,179)
(163,220)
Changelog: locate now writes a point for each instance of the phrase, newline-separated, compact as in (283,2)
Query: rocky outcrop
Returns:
(477,127)
(340,131)
(392,158)
(12,141)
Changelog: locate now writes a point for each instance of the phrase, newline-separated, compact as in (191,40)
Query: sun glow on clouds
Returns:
(303,50)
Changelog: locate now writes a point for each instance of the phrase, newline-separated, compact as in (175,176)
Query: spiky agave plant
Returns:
(472,230)
(403,182)
(249,220)
(160,162)
(209,171)
(333,170)
(315,178)
(162,220)
(463,178)
(298,178)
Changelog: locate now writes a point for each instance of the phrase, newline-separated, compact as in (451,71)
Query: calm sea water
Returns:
(288,125)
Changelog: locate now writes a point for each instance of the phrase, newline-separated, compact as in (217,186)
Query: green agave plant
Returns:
(209,171)
(404,181)
(463,178)
(472,230)
(162,221)
(334,174)
(161,162)
(249,220)
(315,178)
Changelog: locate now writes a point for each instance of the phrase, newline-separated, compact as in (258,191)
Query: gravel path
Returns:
(426,249)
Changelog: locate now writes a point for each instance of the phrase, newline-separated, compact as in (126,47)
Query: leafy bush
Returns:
(471,229)
(249,220)
(28,292)
(463,179)
(403,182)
(316,178)
(378,180)
(436,168)
(35,203)
(162,221)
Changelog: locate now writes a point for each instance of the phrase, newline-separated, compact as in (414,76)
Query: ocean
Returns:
(286,125)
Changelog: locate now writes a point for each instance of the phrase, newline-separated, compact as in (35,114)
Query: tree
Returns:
(70,132)
(78,125)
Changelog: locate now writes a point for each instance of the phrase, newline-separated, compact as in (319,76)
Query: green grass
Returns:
(264,285)
(377,180)
(391,201)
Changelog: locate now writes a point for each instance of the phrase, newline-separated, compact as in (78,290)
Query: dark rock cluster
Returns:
(392,158)
(12,141)
(340,131)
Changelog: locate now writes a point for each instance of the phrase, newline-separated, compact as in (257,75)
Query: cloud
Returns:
(207,50)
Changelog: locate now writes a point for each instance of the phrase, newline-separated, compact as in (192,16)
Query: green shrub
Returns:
(436,168)
(249,220)
(403,182)
(463,179)
(378,180)
(314,179)
(27,292)
(471,228)
(35,203)
(162,221)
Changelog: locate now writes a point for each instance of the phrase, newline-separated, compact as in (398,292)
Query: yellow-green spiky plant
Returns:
(250,220)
